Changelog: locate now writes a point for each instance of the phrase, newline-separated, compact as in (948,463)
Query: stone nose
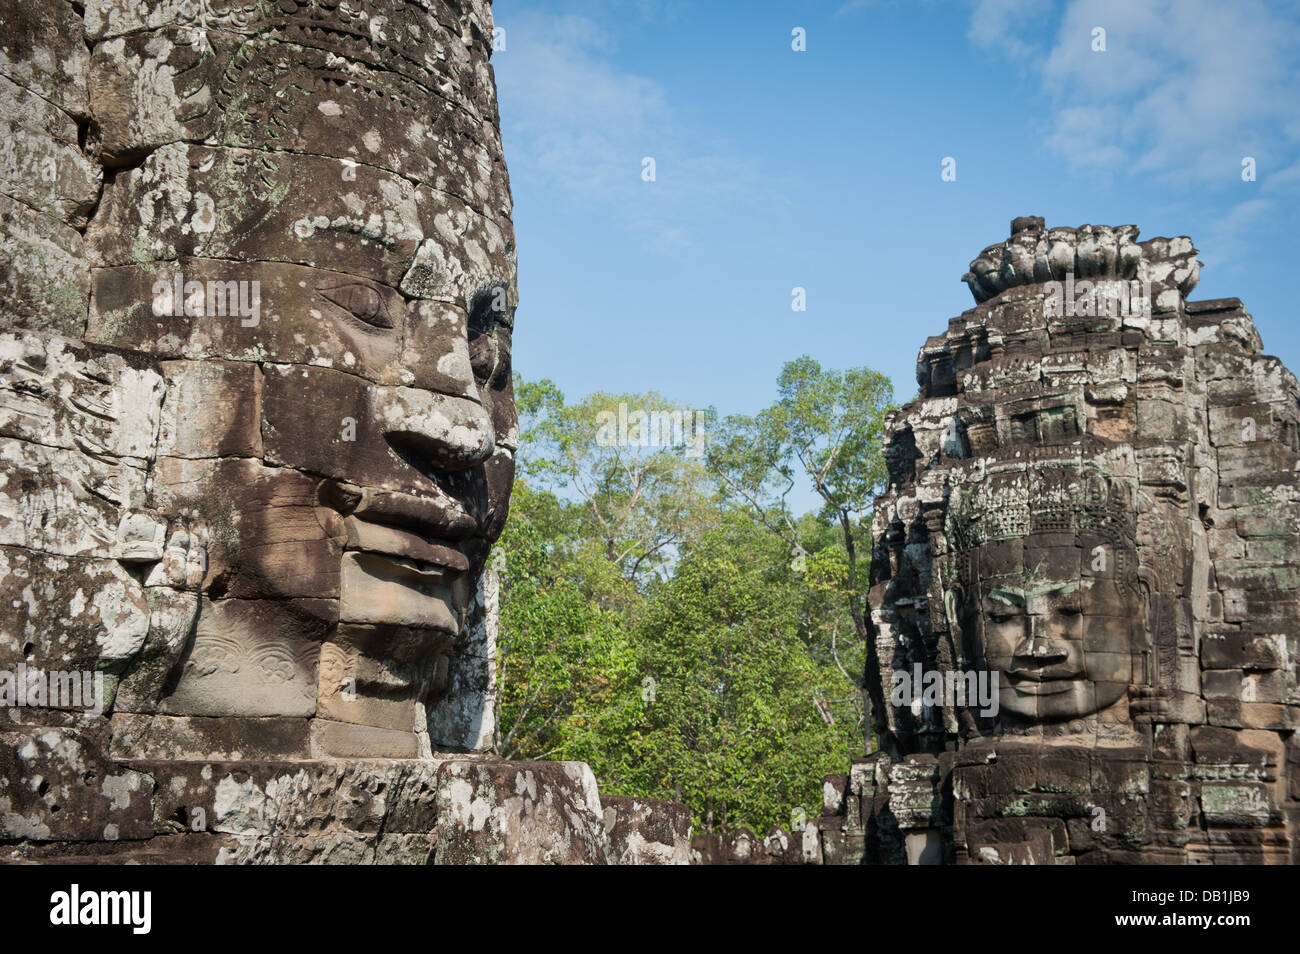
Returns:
(1041,650)
(437,352)
(433,432)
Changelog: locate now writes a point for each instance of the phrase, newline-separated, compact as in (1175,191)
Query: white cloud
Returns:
(569,114)
(849,7)
(1227,236)
(1184,89)
(853,6)
(576,120)
(1284,180)
(998,25)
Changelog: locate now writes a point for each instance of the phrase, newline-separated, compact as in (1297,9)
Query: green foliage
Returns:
(666,619)
(826,427)
(565,654)
(736,730)
(635,499)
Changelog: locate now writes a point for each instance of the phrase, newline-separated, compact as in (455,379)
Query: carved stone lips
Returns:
(398,542)
(1040,685)
(419,530)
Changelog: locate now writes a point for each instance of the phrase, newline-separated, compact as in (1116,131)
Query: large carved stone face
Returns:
(1059,624)
(304,244)
(352,498)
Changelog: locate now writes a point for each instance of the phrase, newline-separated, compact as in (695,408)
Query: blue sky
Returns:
(821,169)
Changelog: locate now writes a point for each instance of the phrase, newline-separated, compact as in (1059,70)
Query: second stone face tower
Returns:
(1093,513)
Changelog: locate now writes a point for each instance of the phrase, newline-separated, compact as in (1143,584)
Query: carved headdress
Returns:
(1014,500)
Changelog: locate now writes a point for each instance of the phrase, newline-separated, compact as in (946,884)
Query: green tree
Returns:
(566,660)
(673,624)
(632,464)
(825,427)
(734,728)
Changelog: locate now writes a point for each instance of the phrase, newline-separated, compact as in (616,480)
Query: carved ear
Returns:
(1148,701)
(953,598)
(1147,586)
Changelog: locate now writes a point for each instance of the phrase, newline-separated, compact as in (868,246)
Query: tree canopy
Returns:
(666,617)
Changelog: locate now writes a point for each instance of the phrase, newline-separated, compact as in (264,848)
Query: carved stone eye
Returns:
(490,306)
(361,301)
(488,314)
(483,355)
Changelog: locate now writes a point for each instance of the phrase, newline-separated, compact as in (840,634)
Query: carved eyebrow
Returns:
(1050,588)
(1010,595)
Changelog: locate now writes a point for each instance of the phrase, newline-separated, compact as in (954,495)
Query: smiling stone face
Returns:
(1065,636)
(303,242)
(361,222)
(1045,587)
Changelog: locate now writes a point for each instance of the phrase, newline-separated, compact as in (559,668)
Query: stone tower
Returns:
(1084,582)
